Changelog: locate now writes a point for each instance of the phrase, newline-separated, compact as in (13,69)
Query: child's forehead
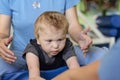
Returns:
(52,31)
(48,27)
(52,35)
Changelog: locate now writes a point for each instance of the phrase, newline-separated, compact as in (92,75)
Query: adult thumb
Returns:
(86,30)
(8,40)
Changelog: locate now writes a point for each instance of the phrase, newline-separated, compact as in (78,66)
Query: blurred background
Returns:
(103,17)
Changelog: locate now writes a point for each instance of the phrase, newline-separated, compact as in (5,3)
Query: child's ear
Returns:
(38,41)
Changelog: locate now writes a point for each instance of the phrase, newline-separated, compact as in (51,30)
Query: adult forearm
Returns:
(2,35)
(75,32)
(74,26)
(5,26)
(89,72)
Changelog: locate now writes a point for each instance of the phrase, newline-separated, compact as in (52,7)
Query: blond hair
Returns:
(50,19)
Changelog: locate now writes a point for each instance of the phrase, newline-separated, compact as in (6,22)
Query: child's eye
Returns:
(49,40)
(60,39)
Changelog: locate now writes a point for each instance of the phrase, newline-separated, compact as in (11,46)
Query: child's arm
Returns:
(33,66)
(72,62)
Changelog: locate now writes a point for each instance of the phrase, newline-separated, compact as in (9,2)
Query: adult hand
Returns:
(5,53)
(85,41)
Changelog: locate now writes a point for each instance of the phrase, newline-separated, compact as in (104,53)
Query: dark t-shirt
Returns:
(46,62)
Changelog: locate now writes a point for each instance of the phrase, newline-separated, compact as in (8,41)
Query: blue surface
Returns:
(111,21)
(109,25)
(23,75)
(108,31)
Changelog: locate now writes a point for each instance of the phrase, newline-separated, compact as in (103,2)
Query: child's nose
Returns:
(55,44)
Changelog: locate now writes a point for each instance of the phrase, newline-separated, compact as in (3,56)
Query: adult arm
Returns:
(5,39)
(75,30)
(89,72)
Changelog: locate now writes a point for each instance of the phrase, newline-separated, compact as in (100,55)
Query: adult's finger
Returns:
(7,54)
(86,30)
(8,40)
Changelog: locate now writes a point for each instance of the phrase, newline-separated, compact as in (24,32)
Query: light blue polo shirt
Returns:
(23,16)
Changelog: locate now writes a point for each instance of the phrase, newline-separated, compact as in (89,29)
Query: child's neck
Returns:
(50,55)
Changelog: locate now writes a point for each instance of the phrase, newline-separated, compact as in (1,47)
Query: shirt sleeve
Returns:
(71,3)
(68,50)
(30,48)
(5,7)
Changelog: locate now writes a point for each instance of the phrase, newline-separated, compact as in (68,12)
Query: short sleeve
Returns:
(30,48)
(71,3)
(5,7)
(68,50)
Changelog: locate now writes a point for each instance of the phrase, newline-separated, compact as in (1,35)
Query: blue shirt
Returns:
(23,16)
(110,65)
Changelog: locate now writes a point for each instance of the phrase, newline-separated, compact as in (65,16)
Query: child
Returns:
(51,49)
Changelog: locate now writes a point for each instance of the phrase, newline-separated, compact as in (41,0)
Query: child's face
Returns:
(52,42)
